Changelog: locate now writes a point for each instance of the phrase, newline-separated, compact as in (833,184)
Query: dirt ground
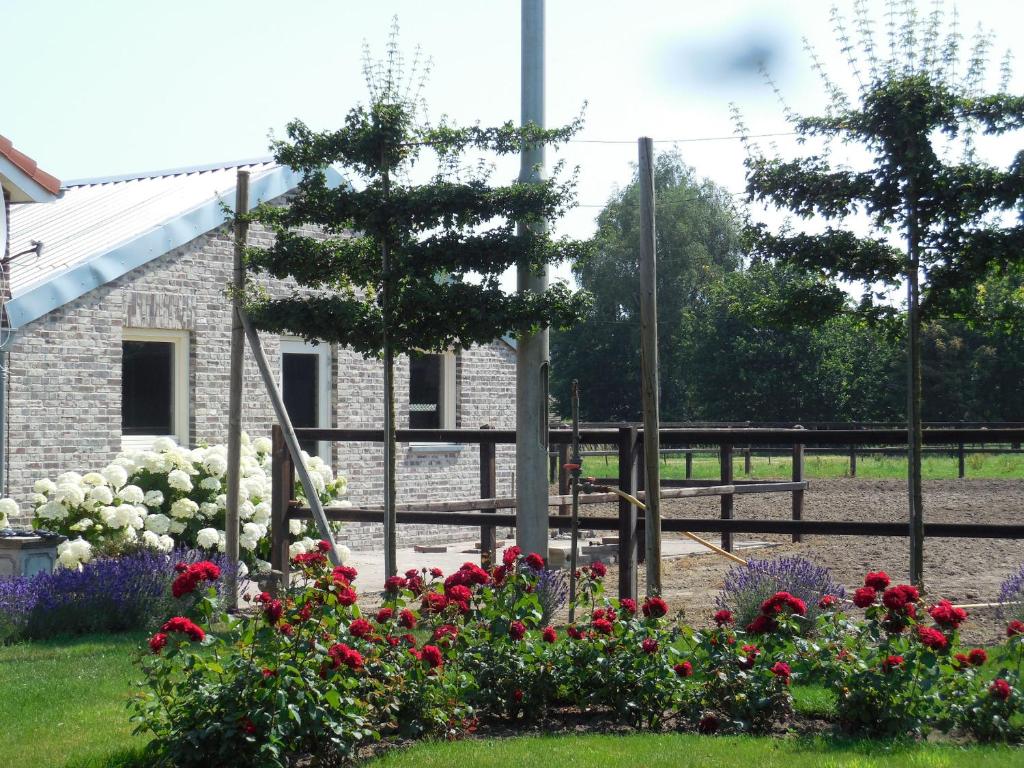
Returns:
(963,570)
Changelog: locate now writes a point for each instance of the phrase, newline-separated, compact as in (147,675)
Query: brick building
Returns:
(120,332)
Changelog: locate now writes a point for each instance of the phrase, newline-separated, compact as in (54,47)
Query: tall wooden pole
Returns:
(390,515)
(914,424)
(649,366)
(532,350)
(235,394)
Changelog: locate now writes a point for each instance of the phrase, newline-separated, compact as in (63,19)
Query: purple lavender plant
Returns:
(552,592)
(114,594)
(1011,597)
(747,586)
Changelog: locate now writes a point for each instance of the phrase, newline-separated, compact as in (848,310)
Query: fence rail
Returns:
(628,440)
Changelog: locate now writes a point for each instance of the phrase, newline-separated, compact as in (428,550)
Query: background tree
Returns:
(909,105)
(698,240)
(397,267)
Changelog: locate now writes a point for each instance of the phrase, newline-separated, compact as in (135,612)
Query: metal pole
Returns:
(649,366)
(315,505)
(532,352)
(577,462)
(235,388)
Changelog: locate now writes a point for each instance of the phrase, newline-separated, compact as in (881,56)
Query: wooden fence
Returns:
(483,513)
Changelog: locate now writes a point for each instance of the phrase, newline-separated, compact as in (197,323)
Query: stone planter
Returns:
(24,553)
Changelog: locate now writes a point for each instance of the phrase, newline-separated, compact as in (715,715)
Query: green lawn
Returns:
(62,703)
(877,467)
(682,750)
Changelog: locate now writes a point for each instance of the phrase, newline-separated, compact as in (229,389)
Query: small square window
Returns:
(431,391)
(154,386)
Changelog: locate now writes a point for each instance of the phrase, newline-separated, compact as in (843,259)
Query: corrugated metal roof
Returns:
(94,216)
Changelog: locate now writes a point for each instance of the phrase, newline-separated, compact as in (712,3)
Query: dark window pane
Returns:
(424,391)
(301,385)
(147,388)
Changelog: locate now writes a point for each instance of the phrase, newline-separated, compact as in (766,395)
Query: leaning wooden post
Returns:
(649,366)
(282,478)
(798,496)
(235,390)
(488,490)
(628,538)
(725,463)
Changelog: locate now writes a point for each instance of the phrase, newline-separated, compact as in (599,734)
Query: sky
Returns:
(112,86)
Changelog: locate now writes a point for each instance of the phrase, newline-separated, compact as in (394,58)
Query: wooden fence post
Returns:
(725,462)
(689,462)
(798,496)
(628,538)
(746,461)
(960,461)
(640,486)
(282,478)
(853,461)
(563,479)
(488,490)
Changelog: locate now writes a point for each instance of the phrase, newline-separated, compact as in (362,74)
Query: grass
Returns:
(62,703)
(1009,466)
(683,750)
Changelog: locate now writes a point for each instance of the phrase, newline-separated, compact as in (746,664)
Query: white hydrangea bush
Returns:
(171,496)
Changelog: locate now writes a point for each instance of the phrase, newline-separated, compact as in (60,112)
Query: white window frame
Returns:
(180,385)
(448,405)
(324,383)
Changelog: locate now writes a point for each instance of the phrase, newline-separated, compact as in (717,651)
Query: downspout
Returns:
(6,337)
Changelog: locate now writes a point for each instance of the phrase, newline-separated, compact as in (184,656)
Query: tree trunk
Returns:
(915,502)
(390,515)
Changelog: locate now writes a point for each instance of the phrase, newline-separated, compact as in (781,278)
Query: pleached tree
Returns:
(386,266)
(935,218)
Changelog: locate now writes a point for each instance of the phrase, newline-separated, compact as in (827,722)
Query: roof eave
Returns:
(21,187)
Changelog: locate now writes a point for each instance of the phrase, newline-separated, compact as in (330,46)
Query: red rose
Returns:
(900,597)
(394,584)
(434,602)
(932,638)
(891,662)
(516,630)
(781,669)
(598,570)
(183,584)
(510,555)
(549,635)
(649,645)
(360,628)
(446,631)
(574,632)
(157,642)
(654,607)
(342,654)
(264,597)
(180,567)
(683,669)
(407,619)
(436,573)
(248,726)
(517,695)
(309,559)
(184,626)
(285,629)
(1000,689)
(323,545)
(384,614)
(977,656)
(1014,628)
(409,639)
(347,596)
(346,572)
(877,581)
(783,601)
(603,626)
(827,602)
(864,597)
(268,673)
(433,656)
(761,625)
(723,617)
(627,606)
(947,615)
(273,611)
(535,561)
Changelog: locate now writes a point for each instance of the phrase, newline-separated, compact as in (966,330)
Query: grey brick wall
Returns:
(64,404)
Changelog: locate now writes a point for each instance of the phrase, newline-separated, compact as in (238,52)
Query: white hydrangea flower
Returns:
(44,486)
(72,553)
(262,445)
(150,539)
(222,541)
(207,538)
(222,501)
(208,509)
(295,527)
(129,464)
(137,515)
(157,463)
(72,478)
(176,527)
(52,510)
(179,480)
(215,464)
(37,498)
(243,570)
(153,499)
(93,478)
(210,484)
(162,444)
(261,513)
(101,494)
(8,508)
(82,525)
(166,543)
(344,553)
(72,494)
(263,566)
(158,524)
(115,474)
(116,517)
(246,510)
(131,494)
(184,508)
(129,534)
